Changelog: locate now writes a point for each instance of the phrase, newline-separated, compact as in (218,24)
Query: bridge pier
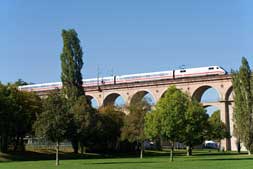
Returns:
(225,118)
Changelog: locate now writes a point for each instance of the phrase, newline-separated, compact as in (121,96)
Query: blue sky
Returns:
(123,36)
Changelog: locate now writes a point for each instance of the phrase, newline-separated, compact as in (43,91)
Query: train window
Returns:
(182,71)
(210,68)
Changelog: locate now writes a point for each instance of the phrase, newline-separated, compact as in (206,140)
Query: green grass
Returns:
(152,160)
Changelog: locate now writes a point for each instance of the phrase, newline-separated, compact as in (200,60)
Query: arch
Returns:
(141,95)
(229,94)
(162,94)
(111,98)
(93,101)
(199,92)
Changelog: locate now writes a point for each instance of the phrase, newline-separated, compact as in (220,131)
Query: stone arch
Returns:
(162,94)
(111,98)
(229,94)
(140,95)
(93,100)
(198,93)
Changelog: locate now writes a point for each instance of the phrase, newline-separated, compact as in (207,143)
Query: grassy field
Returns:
(152,160)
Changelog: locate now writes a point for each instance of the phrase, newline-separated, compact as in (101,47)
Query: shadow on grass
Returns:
(40,156)
(50,155)
(123,162)
(227,159)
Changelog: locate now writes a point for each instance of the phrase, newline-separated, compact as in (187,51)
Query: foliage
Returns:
(71,63)
(177,118)
(196,125)
(71,76)
(217,129)
(171,109)
(243,110)
(84,120)
(152,125)
(133,129)
(106,136)
(52,123)
(18,111)
(6,116)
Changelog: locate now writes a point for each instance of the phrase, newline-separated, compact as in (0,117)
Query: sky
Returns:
(123,37)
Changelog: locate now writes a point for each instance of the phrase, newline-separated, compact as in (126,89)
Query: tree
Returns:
(27,104)
(84,120)
(195,125)
(71,76)
(107,131)
(152,128)
(6,117)
(18,111)
(133,129)
(71,64)
(243,110)
(238,140)
(171,110)
(52,122)
(217,129)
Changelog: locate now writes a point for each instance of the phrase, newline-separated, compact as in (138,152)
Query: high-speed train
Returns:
(140,77)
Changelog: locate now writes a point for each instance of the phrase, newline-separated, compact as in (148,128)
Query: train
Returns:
(140,77)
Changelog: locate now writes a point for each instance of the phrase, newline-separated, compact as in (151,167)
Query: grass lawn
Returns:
(153,160)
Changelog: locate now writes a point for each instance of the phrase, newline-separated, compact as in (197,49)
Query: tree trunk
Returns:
(57,153)
(219,147)
(4,143)
(16,144)
(249,152)
(158,143)
(82,148)
(142,149)
(189,150)
(74,143)
(171,152)
(22,144)
(238,146)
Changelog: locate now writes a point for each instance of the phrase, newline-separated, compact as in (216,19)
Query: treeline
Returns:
(175,118)
(18,112)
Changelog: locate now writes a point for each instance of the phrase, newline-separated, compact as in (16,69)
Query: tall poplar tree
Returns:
(71,64)
(71,76)
(243,110)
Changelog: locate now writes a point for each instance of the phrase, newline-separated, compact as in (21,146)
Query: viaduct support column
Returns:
(224,113)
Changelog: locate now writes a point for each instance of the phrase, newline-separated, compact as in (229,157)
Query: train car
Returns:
(173,74)
(90,82)
(201,71)
(41,87)
(98,81)
(144,77)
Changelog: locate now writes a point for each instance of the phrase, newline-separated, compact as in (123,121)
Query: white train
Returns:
(140,77)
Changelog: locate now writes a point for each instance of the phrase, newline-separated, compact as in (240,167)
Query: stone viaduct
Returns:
(194,86)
